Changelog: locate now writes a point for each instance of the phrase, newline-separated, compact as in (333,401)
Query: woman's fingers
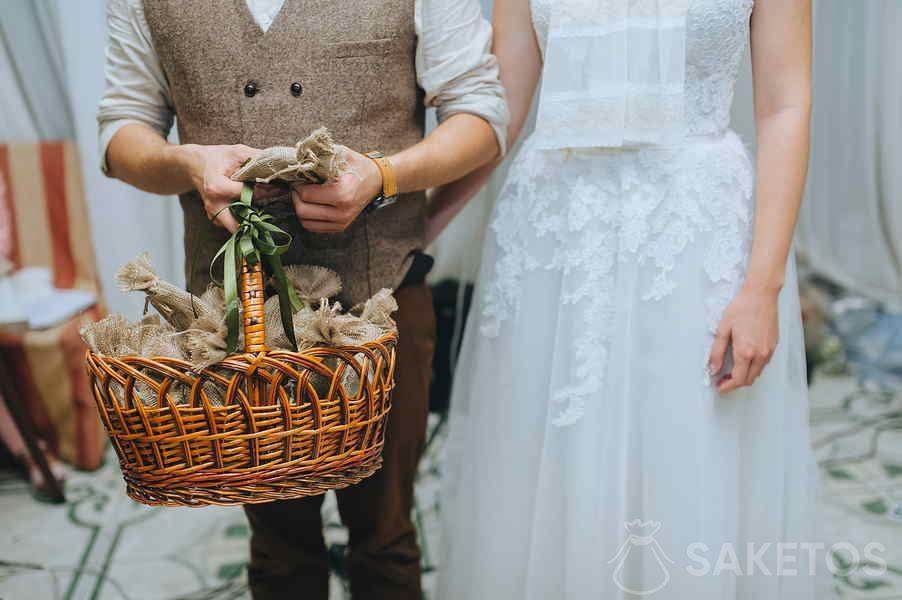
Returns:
(748,366)
(737,377)
(719,349)
(756,369)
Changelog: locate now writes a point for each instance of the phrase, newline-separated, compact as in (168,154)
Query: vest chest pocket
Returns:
(352,49)
(376,82)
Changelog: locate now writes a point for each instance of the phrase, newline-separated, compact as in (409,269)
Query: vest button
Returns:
(296,89)
(250,89)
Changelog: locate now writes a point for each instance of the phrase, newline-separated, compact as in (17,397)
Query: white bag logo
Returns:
(641,538)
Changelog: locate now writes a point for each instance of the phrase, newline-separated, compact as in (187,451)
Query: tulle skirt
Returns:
(589,457)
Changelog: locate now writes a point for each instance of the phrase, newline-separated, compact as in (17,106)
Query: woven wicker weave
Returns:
(257,427)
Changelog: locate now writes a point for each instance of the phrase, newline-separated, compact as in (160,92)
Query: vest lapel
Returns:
(250,23)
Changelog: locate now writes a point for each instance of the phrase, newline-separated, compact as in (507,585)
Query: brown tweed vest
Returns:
(344,64)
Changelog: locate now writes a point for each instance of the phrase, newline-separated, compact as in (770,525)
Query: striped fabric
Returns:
(44,222)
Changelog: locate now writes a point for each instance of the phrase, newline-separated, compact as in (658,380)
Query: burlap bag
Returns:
(313,283)
(114,335)
(174,304)
(194,328)
(379,309)
(329,326)
(315,159)
(158,339)
(205,340)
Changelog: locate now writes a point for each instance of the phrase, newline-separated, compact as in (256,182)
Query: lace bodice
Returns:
(619,229)
(717,35)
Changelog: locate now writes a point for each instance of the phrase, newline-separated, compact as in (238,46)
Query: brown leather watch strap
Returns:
(389,181)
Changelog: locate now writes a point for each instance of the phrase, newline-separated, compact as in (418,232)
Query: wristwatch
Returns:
(389,193)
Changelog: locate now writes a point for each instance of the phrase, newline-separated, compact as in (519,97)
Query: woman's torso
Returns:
(717,36)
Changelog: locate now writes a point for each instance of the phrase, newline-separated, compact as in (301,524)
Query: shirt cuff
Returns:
(493,110)
(109,128)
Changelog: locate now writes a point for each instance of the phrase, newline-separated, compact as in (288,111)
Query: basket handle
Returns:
(256,241)
(252,299)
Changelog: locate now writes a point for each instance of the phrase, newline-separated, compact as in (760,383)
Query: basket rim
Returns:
(388,339)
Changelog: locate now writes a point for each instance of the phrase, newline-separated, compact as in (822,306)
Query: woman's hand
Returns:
(750,324)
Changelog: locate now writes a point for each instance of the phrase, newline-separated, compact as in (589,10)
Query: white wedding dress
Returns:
(582,404)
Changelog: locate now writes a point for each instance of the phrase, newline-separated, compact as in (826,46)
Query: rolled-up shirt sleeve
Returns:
(136,89)
(455,65)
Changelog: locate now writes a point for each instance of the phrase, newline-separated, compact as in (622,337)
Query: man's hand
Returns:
(331,207)
(210,168)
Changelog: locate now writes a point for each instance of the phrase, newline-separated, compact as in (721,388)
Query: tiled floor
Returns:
(102,546)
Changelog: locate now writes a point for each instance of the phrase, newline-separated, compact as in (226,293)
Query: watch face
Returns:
(380,201)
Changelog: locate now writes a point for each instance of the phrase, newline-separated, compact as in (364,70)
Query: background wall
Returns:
(851,224)
(124,221)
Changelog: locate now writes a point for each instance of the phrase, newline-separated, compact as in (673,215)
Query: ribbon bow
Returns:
(255,241)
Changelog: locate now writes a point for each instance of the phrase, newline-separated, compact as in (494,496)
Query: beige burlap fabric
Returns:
(329,326)
(326,325)
(158,338)
(193,328)
(206,339)
(379,309)
(313,283)
(174,304)
(114,335)
(315,159)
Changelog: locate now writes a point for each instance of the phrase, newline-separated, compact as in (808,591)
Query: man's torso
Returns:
(344,64)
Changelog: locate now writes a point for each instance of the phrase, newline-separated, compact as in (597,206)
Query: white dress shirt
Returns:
(454,66)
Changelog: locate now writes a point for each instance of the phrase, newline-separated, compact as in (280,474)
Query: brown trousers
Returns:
(288,553)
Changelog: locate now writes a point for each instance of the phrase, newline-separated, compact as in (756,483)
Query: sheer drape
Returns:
(32,73)
(851,223)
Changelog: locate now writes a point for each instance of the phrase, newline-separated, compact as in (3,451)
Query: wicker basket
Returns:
(257,427)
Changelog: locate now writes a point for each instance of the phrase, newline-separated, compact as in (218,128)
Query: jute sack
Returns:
(174,304)
(315,159)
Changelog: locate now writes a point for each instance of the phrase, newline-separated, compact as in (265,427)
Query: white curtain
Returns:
(125,221)
(851,224)
(51,70)
(32,73)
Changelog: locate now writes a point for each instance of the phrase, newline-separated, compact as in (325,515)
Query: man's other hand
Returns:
(211,168)
(331,207)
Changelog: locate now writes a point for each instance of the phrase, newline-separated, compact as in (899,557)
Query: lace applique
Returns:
(541,20)
(718,37)
(597,210)
(645,207)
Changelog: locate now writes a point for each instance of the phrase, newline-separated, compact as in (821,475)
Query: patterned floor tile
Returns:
(102,546)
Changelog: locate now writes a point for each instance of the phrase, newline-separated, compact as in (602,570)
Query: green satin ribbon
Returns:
(255,241)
